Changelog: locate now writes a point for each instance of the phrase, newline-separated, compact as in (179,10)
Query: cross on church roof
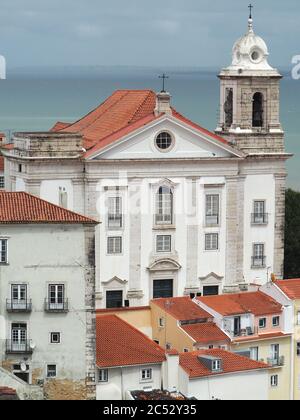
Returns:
(250,8)
(163,77)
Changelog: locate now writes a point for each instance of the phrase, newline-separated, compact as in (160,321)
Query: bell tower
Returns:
(250,98)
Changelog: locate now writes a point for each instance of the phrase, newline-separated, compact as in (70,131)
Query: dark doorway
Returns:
(162,289)
(114,299)
(237,326)
(258,110)
(210,290)
(23,376)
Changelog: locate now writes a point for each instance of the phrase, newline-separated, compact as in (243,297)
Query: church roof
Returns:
(122,113)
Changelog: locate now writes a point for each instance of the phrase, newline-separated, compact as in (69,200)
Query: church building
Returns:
(183,211)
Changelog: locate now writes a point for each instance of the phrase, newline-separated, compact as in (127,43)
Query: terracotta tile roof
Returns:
(122,113)
(120,344)
(182,308)
(290,287)
(232,363)
(256,303)
(205,333)
(21,207)
(1,163)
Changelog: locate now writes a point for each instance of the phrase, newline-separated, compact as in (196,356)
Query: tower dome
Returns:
(250,55)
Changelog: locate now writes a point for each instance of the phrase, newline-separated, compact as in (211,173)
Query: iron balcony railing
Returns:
(57,307)
(19,305)
(245,332)
(259,218)
(115,221)
(258,262)
(279,361)
(19,347)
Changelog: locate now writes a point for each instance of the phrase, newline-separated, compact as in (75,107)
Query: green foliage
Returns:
(292,235)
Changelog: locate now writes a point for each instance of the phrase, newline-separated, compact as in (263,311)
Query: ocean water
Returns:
(33,105)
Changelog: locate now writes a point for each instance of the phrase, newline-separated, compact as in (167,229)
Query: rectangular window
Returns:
(19,296)
(262,323)
(114,245)
(276,321)
(103,375)
(56,296)
(19,337)
(298,349)
(275,354)
(212,211)
(114,299)
(2,183)
(162,289)
(274,381)
(258,259)
(55,338)
(163,243)
(3,251)
(259,215)
(115,216)
(254,353)
(161,322)
(146,374)
(51,371)
(216,365)
(164,206)
(211,242)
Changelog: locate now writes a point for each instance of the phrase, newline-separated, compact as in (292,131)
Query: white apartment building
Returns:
(47,286)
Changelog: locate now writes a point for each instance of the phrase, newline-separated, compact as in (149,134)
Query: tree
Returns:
(292,235)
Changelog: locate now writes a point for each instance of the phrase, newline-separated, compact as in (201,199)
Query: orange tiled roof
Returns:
(122,113)
(256,303)
(232,363)
(120,344)
(290,287)
(21,207)
(182,308)
(205,333)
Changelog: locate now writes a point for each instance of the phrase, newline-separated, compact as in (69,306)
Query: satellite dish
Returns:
(23,367)
(32,346)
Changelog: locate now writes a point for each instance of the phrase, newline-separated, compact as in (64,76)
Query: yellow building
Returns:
(287,292)
(179,323)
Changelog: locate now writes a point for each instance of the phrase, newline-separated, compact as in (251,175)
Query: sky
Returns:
(141,32)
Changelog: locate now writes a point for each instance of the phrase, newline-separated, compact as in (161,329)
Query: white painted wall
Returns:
(238,386)
(122,380)
(50,191)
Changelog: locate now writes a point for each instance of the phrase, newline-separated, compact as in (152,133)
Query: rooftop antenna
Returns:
(164,77)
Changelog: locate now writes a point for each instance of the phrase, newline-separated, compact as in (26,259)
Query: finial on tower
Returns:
(250,20)
(164,77)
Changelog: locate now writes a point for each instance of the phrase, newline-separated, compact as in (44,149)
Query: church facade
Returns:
(183,210)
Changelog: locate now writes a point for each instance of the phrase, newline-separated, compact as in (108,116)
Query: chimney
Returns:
(170,371)
(163,103)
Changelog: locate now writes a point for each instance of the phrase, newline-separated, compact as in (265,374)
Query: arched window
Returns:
(258,110)
(164,206)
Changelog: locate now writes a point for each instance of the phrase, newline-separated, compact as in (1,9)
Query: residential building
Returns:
(180,206)
(47,286)
(257,326)
(127,360)
(221,375)
(287,292)
(179,323)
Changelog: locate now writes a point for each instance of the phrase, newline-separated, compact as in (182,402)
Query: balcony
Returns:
(17,306)
(258,262)
(259,219)
(19,347)
(57,307)
(277,362)
(115,221)
(245,332)
(212,220)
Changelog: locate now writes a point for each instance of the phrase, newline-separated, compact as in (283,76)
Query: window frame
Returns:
(216,366)
(51,338)
(163,242)
(2,182)
(166,149)
(48,370)
(274,384)
(276,324)
(146,378)
(211,248)
(109,250)
(115,212)
(105,377)
(4,241)
(164,206)
(265,323)
(210,209)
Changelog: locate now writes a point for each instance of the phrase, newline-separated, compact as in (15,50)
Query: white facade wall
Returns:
(253,385)
(128,378)
(39,255)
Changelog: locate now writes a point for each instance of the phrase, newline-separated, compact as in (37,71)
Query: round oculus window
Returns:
(255,56)
(164,141)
